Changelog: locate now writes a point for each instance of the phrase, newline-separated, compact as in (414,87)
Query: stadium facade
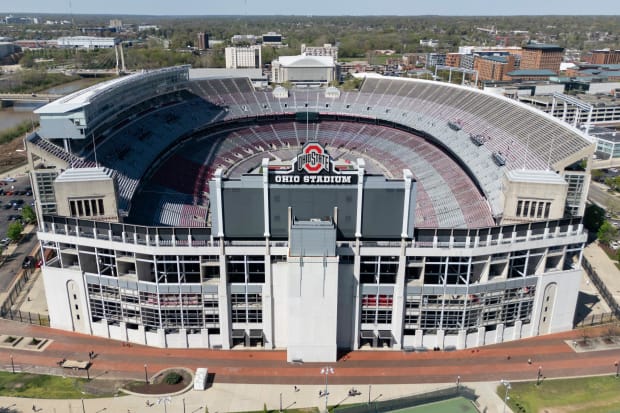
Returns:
(209,214)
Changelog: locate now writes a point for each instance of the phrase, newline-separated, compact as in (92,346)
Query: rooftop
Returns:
(84,174)
(544,177)
(543,46)
(532,72)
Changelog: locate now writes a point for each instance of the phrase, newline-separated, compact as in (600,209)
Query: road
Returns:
(599,195)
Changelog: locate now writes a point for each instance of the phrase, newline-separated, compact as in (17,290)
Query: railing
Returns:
(27,317)
(374,405)
(202,236)
(602,288)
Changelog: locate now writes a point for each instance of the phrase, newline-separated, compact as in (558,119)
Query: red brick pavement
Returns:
(488,363)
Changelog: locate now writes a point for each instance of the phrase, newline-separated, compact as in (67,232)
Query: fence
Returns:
(26,317)
(410,401)
(13,293)
(13,296)
(602,288)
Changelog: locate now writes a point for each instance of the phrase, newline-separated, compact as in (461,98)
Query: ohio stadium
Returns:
(205,213)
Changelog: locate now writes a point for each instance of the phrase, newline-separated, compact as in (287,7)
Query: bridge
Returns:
(27,97)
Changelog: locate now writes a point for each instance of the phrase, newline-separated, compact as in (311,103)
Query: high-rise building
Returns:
(243,57)
(203,41)
(542,56)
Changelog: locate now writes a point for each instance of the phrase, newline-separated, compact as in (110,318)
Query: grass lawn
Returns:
(582,395)
(43,387)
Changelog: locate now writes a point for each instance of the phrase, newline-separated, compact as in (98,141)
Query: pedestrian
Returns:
(296,389)
(34,408)
(529,361)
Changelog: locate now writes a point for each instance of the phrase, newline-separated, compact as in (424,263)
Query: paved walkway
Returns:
(391,373)
(605,268)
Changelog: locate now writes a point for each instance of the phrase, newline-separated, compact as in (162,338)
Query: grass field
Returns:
(41,386)
(582,395)
(456,405)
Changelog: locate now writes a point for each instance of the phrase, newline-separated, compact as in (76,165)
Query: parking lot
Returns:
(13,196)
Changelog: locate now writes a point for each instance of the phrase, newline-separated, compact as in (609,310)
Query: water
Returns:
(67,88)
(10,117)
(13,116)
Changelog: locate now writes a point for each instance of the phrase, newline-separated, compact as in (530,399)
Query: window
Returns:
(90,207)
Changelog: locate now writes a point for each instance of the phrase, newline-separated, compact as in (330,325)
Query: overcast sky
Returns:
(312,7)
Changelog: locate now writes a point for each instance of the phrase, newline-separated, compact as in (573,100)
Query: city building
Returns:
(410,214)
(203,41)
(603,57)
(272,39)
(88,42)
(116,25)
(538,56)
(493,67)
(243,39)
(6,49)
(326,50)
(243,57)
(523,75)
(306,70)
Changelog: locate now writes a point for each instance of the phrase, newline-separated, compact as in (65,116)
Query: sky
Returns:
(313,7)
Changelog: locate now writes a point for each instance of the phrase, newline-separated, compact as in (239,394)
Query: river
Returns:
(12,116)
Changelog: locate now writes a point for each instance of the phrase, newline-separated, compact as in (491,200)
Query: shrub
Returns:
(173,378)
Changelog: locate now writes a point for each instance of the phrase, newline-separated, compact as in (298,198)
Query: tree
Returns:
(607,232)
(15,231)
(28,214)
(597,175)
(593,218)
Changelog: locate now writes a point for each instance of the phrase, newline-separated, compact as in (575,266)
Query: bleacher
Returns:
(524,139)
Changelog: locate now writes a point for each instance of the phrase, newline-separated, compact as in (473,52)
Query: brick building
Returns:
(539,56)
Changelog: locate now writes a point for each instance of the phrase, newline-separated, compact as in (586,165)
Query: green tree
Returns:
(607,232)
(593,218)
(28,214)
(15,231)
(27,60)
(597,175)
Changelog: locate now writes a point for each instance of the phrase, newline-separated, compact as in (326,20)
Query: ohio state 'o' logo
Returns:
(313,159)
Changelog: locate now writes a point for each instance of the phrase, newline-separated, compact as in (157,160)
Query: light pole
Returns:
(280,403)
(146,375)
(538,377)
(13,365)
(508,387)
(326,371)
(369,388)
(617,364)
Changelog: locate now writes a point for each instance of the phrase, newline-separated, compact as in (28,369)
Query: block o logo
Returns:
(313,159)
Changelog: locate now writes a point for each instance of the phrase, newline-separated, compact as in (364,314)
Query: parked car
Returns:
(9,179)
(5,241)
(29,262)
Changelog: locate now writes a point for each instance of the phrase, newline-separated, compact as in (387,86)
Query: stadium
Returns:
(205,213)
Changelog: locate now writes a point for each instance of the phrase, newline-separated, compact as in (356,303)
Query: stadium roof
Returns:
(306,61)
(81,98)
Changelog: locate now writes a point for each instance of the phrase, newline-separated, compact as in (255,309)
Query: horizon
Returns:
(322,8)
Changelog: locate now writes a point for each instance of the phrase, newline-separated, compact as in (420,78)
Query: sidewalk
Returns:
(606,270)
(249,397)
